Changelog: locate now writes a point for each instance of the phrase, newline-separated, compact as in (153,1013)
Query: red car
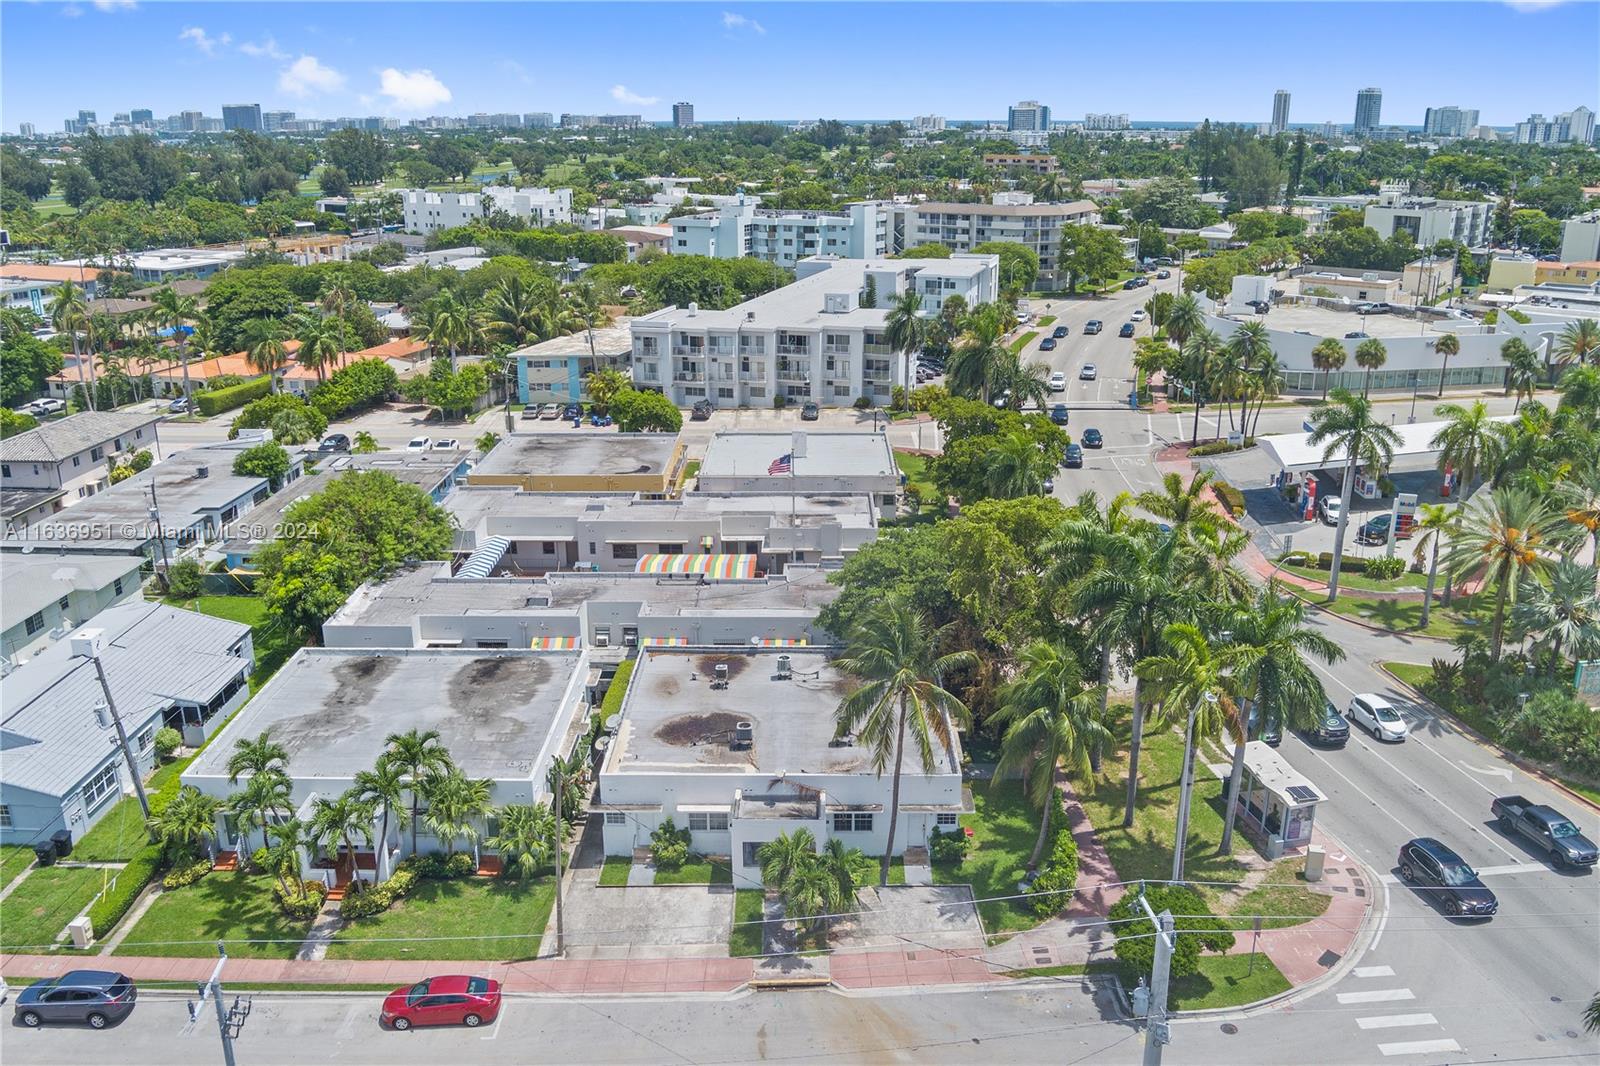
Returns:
(453,1000)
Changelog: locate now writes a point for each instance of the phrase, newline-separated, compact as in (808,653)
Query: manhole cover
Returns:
(1572,1034)
(1041,951)
(1230,1028)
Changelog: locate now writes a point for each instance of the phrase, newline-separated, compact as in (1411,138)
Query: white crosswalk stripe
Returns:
(1395,1021)
(1382,995)
(1418,1047)
(1374,971)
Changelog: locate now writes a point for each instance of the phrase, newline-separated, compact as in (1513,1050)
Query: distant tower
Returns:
(682,115)
(1280,111)
(1369,107)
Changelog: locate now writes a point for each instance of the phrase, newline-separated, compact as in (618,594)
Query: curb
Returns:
(1526,766)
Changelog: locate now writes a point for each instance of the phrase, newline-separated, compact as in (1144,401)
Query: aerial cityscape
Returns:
(663,532)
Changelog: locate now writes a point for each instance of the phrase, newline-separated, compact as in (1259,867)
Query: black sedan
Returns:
(1445,878)
(1331,731)
(1093,439)
(1058,414)
(1126,330)
(1059,332)
(1074,458)
(1047,345)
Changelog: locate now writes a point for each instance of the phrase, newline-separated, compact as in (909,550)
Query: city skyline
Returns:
(326,68)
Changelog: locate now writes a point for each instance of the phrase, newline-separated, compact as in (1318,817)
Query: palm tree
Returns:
(1436,520)
(570,773)
(1346,430)
(1522,369)
(1023,385)
(383,786)
(1051,720)
(582,304)
(980,353)
(1329,355)
(1578,342)
(1185,319)
(1510,532)
(1251,344)
(189,820)
(1469,442)
(449,324)
(527,837)
(1204,682)
(1580,390)
(1208,563)
(174,312)
(1277,676)
(514,313)
(416,753)
(1581,497)
(1370,355)
(321,343)
(1565,612)
(784,856)
(1016,467)
(263,795)
(285,842)
(69,314)
(1197,360)
(1447,345)
(847,870)
(1181,505)
(1227,380)
(259,756)
(895,655)
(339,821)
(455,803)
(266,348)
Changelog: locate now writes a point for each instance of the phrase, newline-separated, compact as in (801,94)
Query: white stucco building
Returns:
(961,227)
(1430,220)
(859,231)
(425,211)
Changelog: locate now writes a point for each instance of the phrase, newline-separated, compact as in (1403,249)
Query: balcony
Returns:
(877,349)
(794,349)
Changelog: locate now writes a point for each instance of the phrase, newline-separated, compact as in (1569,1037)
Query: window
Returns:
(35,623)
(492,644)
(146,735)
(100,786)
(943,820)
(708,821)
(616,818)
(5,469)
(750,849)
(5,816)
(548,547)
(624,551)
(97,453)
(670,549)
(64,603)
(77,460)
(852,822)
(117,586)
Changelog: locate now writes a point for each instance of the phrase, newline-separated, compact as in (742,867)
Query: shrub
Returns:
(1052,889)
(258,859)
(669,846)
(949,847)
(1231,497)
(1136,947)
(897,398)
(216,401)
(379,897)
(168,740)
(437,867)
(1555,727)
(187,875)
(862,403)
(1352,564)
(183,579)
(265,412)
(363,383)
(107,910)
(1221,447)
(1385,567)
(779,402)
(293,904)
(924,397)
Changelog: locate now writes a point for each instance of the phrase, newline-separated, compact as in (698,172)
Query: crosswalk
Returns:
(1418,1023)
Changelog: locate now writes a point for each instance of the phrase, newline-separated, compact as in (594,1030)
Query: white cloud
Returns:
(71,11)
(112,6)
(623,95)
(412,90)
(267,49)
(516,70)
(204,41)
(307,75)
(733,21)
(1530,6)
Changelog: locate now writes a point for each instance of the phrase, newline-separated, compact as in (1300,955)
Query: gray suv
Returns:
(96,998)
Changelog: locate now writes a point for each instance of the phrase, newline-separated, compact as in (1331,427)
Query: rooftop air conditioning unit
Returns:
(202,471)
(719,676)
(785,667)
(744,735)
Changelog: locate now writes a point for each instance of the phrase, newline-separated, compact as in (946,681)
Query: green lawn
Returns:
(1411,673)
(745,939)
(1004,829)
(1284,893)
(14,858)
(1047,320)
(700,872)
(1405,616)
(235,907)
(614,873)
(512,913)
(1407,581)
(690,470)
(915,468)
(116,836)
(1023,341)
(1223,981)
(43,904)
(273,642)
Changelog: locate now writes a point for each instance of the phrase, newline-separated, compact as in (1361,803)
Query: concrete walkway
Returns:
(131,919)
(322,931)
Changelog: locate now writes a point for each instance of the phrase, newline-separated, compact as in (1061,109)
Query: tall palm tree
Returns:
(1512,534)
(1563,611)
(69,314)
(284,843)
(189,820)
(1277,676)
(455,803)
(1208,563)
(1581,499)
(1346,430)
(1182,506)
(1447,345)
(1580,390)
(1023,384)
(582,303)
(1434,522)
(1251,344)
(979,355)
(1468,443)
(266,347)
(1051,720)
(1522,369)
(321,343)
(175,312)
(1579,342)
(1227,380)
(416,753)
(340,821)
(1329,355)
(1371,354)
(261,756)
(1197,360)
(263,795)
(514,314)
(449,324)
(1185,319)
(1203,682)
(895,654)
(526,840)
(383,786)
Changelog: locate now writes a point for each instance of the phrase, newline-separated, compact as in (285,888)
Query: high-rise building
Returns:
(209,125)
(86,118)
(142,116)
(27,130)
(190,121)
(1448,121)
(537,120)
(1569,127)
(276,121)
(1579,124)
(928,123)
(1369,108)
(683,114)
(1106,121)
(1029,115)
(1280,111)
(1330,130)
(241,117)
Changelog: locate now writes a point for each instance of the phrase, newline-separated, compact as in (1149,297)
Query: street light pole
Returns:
(90,648)
(1156,1031)
(561,945)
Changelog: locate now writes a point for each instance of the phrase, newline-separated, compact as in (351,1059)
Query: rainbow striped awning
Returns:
(659,642)
(553,643)
(713,567)
(783,642)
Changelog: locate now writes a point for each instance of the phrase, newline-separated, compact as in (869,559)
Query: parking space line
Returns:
(1395,1021)
(494,1030)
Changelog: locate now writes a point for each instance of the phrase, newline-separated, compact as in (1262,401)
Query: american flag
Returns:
(783,464)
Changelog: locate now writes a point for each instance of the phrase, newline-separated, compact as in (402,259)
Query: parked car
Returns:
(47,405)
(1126,330)
(1163,275)
(1375,714)
(1058,382)
(810,412)
(1163,260)
(451,1000)
(572,412)
(418,444)
(446,444)
(1058,414)
(1135,283)
(1088,372)
(1092,326)
(1260,307)
(700,411)
(1356,335)
(95,998)
(333,442)
(1138,314)
(1048,344)
(530,412)
(1372,309)
(1329,508)
(1074,457)
(178,406)
(1375,530)
(1547,829)
(550,412)
(1446,879)
(1092,438)
(1331,731)
(1059,332)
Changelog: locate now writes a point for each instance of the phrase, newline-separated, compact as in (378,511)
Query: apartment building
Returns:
(74,454)
(1430,220)
(1569,127)
(425,212)
(1030,116)
(860,231)
(961,227)
(1449,121)
(537,207)
(1580,238)
(1280,112)
(43,596)
(812,340)
(1032,162)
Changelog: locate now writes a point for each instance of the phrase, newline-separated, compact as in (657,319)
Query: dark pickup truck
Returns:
(1547,828)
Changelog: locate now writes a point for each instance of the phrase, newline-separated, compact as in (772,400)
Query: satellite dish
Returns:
(27,549)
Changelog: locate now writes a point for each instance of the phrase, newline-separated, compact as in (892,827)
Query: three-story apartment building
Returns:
(962,227)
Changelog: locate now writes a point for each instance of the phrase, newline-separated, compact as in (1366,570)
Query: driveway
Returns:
(908,917)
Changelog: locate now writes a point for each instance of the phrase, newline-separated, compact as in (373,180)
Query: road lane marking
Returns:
(347,1028)
(1396,1021)
(1381,995)
(1491,771)
(1367,795)
(494,1030)
(1418,1047)
(1514,868)
(1374,971)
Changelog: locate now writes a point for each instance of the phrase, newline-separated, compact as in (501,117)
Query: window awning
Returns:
(783,642)
(487,556)
(713,567)
(553,643)
(665,641)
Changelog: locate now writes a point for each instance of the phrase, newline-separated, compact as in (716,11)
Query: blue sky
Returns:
(772,60)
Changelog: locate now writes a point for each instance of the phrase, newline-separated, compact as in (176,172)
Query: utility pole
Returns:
(230,1019)
(561,936)
(87,643)
(1156,1032)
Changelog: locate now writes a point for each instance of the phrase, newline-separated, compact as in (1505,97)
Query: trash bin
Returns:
(1315,857)
(45,852)
(62,839)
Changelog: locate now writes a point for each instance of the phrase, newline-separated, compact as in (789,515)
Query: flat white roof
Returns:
(1294,451)
(827,454)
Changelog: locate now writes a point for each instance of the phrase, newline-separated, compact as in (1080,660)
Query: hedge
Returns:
(618,689)
(1231,497)
(106,911)
(187,875)
(379,897)
(436,867)
(215,401)
(1221,447)
(1052,889)
(361,384)
(294,906)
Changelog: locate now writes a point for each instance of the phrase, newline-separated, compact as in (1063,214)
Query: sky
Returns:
(1172,61)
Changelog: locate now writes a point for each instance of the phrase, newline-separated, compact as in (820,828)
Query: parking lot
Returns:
(1331,322)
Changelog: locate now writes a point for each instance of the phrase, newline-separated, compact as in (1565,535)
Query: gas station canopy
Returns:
(1294,452)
